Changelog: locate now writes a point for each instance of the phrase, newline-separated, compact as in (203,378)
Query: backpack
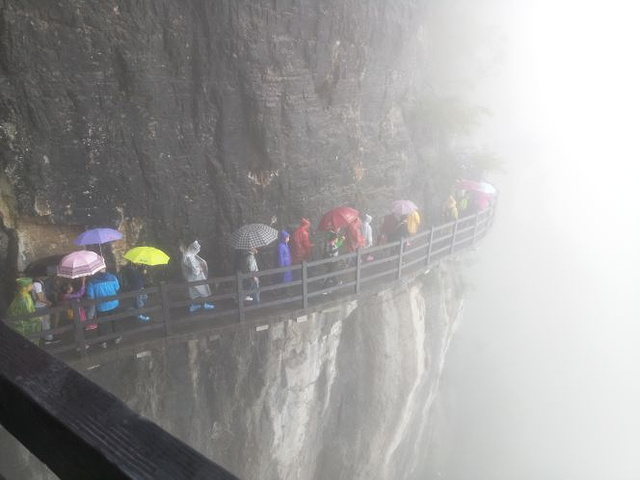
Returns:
(46,290)
(50,286)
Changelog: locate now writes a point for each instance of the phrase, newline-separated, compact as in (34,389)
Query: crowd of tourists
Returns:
(344,231)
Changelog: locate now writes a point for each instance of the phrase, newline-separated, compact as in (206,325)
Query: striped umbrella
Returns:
(82,263)
(254,235)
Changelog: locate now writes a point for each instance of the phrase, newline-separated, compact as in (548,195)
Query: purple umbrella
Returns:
(403,207)
(97,236)
(80,264)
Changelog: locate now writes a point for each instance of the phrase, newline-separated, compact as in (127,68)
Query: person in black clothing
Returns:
(400,231)
(133,280)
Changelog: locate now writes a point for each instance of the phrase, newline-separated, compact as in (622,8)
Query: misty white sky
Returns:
(545,372)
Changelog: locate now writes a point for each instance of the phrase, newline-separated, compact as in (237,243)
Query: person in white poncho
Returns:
(194,268)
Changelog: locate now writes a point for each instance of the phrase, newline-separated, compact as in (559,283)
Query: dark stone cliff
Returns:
(179,119)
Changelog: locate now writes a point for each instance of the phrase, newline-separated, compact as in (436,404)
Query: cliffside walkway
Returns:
(81,431)
(314,284)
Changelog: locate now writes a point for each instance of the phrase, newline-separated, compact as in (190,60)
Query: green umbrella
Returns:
(147,256)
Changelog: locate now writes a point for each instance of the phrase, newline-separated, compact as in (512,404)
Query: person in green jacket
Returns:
(22,304)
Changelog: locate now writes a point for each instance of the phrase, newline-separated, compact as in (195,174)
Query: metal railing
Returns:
(314,284)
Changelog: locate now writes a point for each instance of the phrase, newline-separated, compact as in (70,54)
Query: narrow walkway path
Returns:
(316,285)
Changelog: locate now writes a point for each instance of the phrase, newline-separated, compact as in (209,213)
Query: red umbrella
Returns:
(337,218)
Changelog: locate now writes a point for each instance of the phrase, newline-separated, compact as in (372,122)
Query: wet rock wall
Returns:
(179,119)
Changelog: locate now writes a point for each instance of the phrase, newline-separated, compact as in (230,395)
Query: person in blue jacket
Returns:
(104,284)
(284,256)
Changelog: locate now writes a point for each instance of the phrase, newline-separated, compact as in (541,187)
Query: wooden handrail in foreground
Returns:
(81,431)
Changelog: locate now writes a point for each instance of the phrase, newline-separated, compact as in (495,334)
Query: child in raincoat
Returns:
(195,268)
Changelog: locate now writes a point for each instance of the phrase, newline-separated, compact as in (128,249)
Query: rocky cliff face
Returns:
(179,119)
(345,395)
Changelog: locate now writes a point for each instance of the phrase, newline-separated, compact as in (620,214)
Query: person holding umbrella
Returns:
(132,275)
(195,268)
(134,272)
(246,241)
(250,265)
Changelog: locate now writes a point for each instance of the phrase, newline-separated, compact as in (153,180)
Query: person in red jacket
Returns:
(302,247)
(355,239)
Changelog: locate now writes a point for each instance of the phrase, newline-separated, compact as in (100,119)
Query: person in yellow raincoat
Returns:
(450,210)
(413,222)
(22,304)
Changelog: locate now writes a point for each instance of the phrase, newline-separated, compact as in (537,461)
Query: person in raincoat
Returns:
(355,239)
(22,304)
(413,222)
(302,247)
(367,231)
(284,256)
(450,209)
(194,268)
(462,200)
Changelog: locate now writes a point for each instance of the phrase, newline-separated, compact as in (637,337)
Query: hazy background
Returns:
(543,378)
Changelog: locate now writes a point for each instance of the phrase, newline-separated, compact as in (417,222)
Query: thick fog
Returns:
(543,378)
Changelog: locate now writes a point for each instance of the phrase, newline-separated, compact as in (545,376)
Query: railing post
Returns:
(358,268)
(453,237)
(400,258)
(240,297)
(166,308)
(430,246)
(305,286)
(81,343)
(475,228)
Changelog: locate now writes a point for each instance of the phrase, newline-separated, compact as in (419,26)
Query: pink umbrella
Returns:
(403,207)
(477,186)
(80,264)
